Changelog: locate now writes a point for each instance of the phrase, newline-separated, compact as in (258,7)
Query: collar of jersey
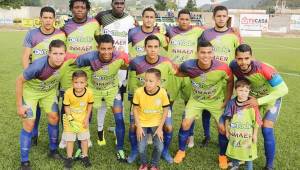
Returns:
(81,95)
(153,93)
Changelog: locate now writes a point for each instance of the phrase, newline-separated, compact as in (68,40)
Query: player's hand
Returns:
(22,111)
(140,133)
(159,134)
(254,139)
(86,122)
(252,102)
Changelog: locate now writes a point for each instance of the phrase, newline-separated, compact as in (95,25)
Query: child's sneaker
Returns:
(143,167)
(121,156)
(68,163)
(86,162)
(25,165)
(191,142)
(180,155)
(223,162)
(153,167)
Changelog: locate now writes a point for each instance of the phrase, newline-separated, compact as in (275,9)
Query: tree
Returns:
(171,5)
(191,5)
(7,4)
(160,5)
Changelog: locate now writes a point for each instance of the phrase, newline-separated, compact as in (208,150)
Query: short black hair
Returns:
(184,11)
(242,83)
(47,9)
(79,73)
(105,38)
(151,37)
(114,0)
(57,44)
(219,8)
(203,44)
(86,2)
(243,48)
(148,9)
(154,71)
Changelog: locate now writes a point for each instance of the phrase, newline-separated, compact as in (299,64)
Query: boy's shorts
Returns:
(71,137)
(194,109)
(47,102)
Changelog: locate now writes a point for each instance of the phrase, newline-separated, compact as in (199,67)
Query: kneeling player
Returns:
(207,76)
(38,84)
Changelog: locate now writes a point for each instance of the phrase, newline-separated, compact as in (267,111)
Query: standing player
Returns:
(38,84)
(36,45)
(137,35)
(267,89)
(81,31)
(225,40)
(137,68)
(182,47)
(207,77)
(105,64)
(116,23)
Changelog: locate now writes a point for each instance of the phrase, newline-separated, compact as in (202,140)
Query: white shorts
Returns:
(71,137)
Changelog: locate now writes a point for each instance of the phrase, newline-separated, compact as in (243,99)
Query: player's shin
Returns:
(53,132)
(269,143)
(25,143)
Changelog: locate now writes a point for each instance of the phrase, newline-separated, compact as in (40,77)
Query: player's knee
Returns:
(222,129)
(168,128)
(117,109)
(185,125)
(28,125)
(53,118)
(268,124)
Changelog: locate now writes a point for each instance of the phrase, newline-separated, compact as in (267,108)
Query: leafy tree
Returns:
(160,5)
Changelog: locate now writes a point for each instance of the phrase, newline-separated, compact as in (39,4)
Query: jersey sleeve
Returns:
(165,99)
(130,35)
(136,98)
(173,68)
(202,37)
(66,101)
(183,68)
(229,109)
(33,70)
(278,86)
(28,40)
(90,97)
(84,60)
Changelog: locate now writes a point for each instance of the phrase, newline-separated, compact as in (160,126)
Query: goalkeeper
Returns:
(78,101)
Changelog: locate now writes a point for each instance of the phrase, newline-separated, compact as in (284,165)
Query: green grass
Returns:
(280,52)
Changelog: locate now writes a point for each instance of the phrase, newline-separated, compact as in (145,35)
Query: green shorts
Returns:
(47,102)
(179,86)
(195,108)
(105,95)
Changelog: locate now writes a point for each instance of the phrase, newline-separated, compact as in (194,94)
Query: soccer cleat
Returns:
(121,156)
(132,157)
(86,162)
(34,141)
(268,168)
(153,167)
(77,155)
(143,167)
(205,141)
(180,155)
(223,162)
(191,142)
(149,139)
(101,142)
(54,154)
(167,157)
(68,164)
(25,165)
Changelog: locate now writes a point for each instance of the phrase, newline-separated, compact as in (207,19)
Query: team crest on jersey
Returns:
(82,104)
(158,102)
(105,69)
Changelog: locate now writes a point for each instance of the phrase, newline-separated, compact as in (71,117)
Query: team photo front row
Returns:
(94,83)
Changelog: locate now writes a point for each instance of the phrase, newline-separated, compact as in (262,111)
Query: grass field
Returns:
(283,53)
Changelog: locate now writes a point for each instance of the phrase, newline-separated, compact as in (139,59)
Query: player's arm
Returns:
(227,127)
(139,130)
(132,81)
(181,71)
(88,110)
(26,57)
(254,136)
(19,92)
